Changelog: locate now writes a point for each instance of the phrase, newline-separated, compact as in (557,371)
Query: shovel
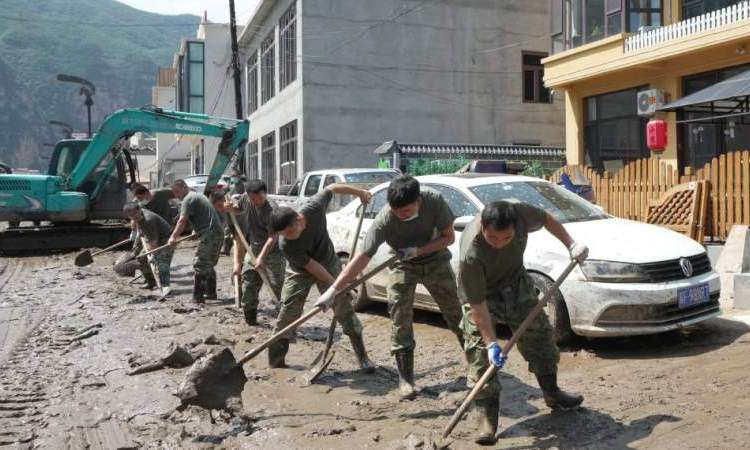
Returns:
(239,236)
(490,372)
(86,257)
(321,362)
(162,247)
(154,269)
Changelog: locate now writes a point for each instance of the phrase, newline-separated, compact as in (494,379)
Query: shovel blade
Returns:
(315,372)
(83,259)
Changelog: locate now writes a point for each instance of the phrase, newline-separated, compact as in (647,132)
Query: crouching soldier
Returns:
(156,231)
(495,287)
(419,225)
(203,218)
(305,243)
(253,209)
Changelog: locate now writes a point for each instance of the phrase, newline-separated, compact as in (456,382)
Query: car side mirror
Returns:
(460,223)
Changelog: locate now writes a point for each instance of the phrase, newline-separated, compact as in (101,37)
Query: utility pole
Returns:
(237,80)
(87,89)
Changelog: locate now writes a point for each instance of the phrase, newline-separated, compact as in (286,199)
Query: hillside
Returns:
(116,47)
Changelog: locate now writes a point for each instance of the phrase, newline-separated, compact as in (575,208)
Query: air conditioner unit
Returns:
(649,101)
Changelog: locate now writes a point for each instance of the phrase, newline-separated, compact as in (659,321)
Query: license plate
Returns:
(693,296)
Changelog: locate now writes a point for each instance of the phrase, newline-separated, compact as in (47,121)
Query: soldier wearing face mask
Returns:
(418,224)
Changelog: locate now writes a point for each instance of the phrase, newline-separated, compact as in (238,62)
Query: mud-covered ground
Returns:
(68,337)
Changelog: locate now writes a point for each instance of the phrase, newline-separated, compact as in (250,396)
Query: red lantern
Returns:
(656,135)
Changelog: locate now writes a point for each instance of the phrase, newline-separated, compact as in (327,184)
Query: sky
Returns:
(218,10)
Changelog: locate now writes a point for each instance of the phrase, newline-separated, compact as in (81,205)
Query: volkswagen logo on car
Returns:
(687,267)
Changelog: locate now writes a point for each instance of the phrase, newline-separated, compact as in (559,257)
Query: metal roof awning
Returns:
(470,150)
(734,88)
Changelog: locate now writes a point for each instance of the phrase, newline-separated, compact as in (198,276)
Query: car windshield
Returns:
(564,205)
(370,177)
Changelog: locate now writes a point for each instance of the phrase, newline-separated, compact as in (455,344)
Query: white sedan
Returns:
(639,278)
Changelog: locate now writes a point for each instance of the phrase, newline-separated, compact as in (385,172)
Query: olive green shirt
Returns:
(483,270)
(256,221)
(154,228)
(313,242)
(159,203)
(200,213)
(434,216)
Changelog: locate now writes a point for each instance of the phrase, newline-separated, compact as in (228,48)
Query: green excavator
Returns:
(78,203)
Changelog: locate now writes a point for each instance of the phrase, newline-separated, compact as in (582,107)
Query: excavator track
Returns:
(30,239)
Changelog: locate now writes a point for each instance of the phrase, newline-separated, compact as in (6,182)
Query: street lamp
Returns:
(87,89)
(67,128)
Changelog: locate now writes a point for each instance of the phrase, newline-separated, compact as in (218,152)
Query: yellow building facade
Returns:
(606,51)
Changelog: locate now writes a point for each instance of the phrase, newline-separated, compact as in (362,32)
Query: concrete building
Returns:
(201,83)
(608,57)
(328,81)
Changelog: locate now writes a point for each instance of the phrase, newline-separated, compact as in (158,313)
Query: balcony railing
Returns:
(709,21)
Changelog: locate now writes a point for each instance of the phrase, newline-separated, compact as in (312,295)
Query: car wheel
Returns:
(360,301)
(556,310)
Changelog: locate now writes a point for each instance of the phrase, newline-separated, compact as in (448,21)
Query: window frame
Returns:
(253,164)
(288,47)
(268,67)
(288,153)
(252,78)
(268,166)
(188,61)
(538,74)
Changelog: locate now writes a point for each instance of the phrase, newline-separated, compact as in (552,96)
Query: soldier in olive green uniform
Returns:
(305,243)
(157,201)
(203,218)
(254,210)
(495,287)
(156,231)
(419,225)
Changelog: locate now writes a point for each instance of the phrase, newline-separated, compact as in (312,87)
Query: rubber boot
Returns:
(148,276)
(210,292)
(405,366)
(555,397)
(358,344)
(489,412)
(198,283)
(277,352)
(251,317)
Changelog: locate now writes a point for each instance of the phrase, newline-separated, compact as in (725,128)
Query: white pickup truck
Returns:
(315,181)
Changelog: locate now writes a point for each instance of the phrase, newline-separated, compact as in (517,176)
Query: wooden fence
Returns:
(640,184)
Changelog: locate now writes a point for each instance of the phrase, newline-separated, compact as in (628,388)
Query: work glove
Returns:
(408,253)
(495,355)
(326,298)
(578,251)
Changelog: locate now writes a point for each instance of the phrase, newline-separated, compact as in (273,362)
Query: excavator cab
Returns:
(107,185)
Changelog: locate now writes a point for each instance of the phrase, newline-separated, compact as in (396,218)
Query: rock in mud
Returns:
(213,382)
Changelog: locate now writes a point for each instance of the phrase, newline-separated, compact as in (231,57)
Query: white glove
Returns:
(326,298)
(578,251)
(408,253)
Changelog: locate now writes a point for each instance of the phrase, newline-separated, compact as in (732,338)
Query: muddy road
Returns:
(69,336)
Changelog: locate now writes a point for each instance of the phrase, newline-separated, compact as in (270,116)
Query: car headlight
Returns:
(613,272)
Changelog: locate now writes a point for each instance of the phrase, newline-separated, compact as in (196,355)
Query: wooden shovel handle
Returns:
(162,247)
(508,346)
(111,247)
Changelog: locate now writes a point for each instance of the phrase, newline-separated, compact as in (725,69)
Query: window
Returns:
(288,47)
(268,66)
(253,166)
(331,179)
(643,13)
(533,78)
(692,8)
(268,162)
(614,134)
(460,205)
(252,83)
(288,147)
(313,185)
(195,77)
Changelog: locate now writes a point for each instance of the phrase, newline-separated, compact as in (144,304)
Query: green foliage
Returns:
(384,164)
(103,41)
(536,169)
(425,166)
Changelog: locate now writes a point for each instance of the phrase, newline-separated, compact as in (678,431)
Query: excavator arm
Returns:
(233,134)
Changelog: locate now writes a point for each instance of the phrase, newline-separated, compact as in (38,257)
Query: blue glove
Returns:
(495,355)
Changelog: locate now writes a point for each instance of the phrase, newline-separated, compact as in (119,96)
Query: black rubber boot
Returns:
(251,317)
(489,412)
(277,353)
(405,366)
(198,283)
(358,344)
(150,280)
(210,292)
(555,397)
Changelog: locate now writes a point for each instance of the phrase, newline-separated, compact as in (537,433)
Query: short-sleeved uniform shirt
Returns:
(159,203)
(483,270)
(154,228)
(200,213)
(434,216)
(313,242)
(256,220)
